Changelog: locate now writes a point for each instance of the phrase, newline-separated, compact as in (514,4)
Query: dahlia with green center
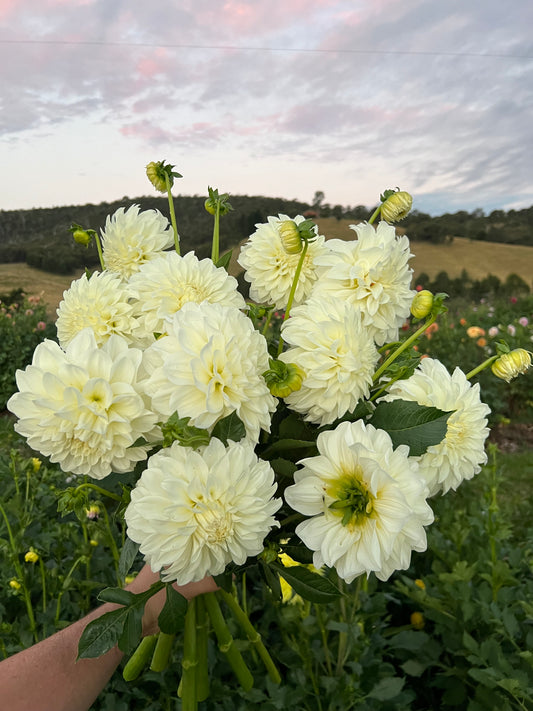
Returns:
(210,365)
(164,284)
(101,303)
(337,355)
(132,237)
(270,267)
(373,274)
(82,406)
(365,502)
(193,512)
(461,453)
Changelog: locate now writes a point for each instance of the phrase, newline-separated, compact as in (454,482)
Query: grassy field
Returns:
(478,258)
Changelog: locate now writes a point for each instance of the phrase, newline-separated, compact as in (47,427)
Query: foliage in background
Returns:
(23,325)
(452,632)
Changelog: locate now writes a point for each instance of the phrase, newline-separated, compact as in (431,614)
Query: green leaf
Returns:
(301,554)
(272,580)
(102,634)
(283,468)
(230,427)
(413,667)
(387,689)
(132,629)
(117,596)
(172,616)
(127,556)
(178,428)
(224,260)
(412,424)
(311,586)
(286,445)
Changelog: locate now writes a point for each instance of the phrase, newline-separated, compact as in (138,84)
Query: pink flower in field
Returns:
(513,299)
(41,325)
(511,329)
(493,331)
(8,315)
(29,312)
(419,287)
(523,320)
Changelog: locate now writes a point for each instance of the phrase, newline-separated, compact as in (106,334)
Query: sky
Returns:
(281,98)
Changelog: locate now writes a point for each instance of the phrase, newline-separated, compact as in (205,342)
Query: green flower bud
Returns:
(396,206)
(82,236)
(422,304)
(511,365)
(290,237)
(214,198)
(156,172)
(283,378)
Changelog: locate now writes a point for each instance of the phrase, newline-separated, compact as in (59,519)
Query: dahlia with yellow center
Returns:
(337,355)
(461,453)
(101,303)
(193,512)
(373,274)
(164,284)
(208,366)
(365,502)
(82,406)
(131,238)
(270,267)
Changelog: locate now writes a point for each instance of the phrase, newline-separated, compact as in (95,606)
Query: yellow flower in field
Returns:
(129,579)
(94,543)
(511,365)
(36,464)
(420,584)
(475,332)
(418,621)
(31,557)
(14,584)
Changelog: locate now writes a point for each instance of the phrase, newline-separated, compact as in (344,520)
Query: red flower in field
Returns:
(41,325)
(481,342)
(513,299)
(462,322)
(431,330)
(419,287)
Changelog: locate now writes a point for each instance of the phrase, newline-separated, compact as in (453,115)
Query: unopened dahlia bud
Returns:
(283,379)
(80,235)
(396,206)
(422,304)
(418,621)
(511,365)
(290,237)
(156,172)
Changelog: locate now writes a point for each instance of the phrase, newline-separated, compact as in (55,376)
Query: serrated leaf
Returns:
(102,634)
(387,689)
(409,423)
(127,556)
(229,428)
(311,586)
(224,260)
(132,630)
(300,554)
(172,616)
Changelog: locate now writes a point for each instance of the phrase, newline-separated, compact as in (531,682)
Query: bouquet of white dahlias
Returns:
(320,440)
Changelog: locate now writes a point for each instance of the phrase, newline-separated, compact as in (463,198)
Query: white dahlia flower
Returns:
(270,268)
(371,272)
(81,407)
(462,452)
(366,502)
(131,238)
(195,511)
(164,284)
(337,355)
(209,365)
(100,303)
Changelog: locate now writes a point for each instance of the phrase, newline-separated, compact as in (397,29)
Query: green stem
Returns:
(99,248)
(162,652)
(267,321)
(172,214)
(226,643)
(252,634)
(202,674)
(375,214)
(20,574)
(216,235)
(343,636)
(43,582)
(139,659)
(99,489)
(403,346)
(66,583)
(190,660)
(293,289)
(324,635)
(481,367)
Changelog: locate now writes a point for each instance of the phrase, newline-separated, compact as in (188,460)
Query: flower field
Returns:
(322,450)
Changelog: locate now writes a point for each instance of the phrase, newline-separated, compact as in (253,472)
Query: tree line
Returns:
(41,237)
